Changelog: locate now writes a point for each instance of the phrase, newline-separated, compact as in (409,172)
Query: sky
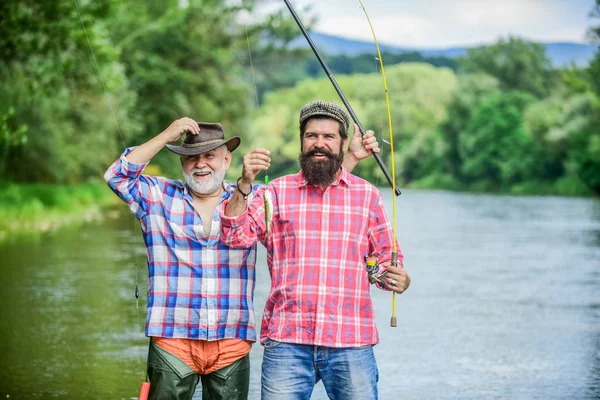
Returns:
(450,23)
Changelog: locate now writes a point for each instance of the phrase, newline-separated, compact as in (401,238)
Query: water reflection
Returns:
(505,303)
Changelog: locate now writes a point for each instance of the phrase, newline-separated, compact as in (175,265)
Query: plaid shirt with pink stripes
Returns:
(320,292)
(198,288)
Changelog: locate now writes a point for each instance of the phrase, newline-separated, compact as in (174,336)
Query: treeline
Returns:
(499,119)
(506,121)
(287,71)
(67,112)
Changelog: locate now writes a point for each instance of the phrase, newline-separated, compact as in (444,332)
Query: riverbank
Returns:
(39,207)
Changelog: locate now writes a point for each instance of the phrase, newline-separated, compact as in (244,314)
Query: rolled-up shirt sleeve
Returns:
(125,179)
(381,236)
(248,228)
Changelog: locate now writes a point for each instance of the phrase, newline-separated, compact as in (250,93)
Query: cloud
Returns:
(446,23)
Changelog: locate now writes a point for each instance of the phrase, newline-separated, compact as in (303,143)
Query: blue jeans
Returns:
(290,371)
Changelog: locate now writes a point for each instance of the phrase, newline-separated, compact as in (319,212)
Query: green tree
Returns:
(90,77)
(471,90)
(580,124)
(11,136)
(594,33)
(496,146)
(188,60)
(516,63)
(48,78)
(418,95)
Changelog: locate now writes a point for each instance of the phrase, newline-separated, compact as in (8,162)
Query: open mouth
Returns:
(317,155)
(202,175)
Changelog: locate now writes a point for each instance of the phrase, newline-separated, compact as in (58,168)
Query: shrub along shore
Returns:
(43,207)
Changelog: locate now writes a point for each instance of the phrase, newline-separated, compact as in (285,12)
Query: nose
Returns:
(320,142)
(200,162)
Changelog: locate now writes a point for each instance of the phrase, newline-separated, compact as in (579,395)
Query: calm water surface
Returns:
(505,304)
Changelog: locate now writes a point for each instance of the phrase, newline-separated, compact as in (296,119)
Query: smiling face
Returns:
(322,151)
(204,173)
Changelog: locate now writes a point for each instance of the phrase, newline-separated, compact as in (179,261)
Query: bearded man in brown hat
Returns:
(200,315)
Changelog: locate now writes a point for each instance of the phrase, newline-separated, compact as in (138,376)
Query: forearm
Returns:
(240,231)
(237,203)
(144,153)
(125,179)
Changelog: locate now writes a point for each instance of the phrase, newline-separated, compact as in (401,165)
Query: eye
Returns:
(190,158)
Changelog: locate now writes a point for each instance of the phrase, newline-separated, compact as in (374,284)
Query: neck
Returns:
(208,196)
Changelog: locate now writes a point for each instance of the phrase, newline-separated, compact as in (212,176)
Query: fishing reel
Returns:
(373,269)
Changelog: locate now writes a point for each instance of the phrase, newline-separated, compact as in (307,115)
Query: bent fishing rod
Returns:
(340,93)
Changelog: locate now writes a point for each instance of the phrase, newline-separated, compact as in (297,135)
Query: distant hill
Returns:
(560,54)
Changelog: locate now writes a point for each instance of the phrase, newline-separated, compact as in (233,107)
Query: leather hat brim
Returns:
(231,144)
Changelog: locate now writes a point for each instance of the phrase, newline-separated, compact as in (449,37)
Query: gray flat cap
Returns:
(327,109)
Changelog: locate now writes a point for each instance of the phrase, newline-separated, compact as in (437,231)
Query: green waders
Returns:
(171,378)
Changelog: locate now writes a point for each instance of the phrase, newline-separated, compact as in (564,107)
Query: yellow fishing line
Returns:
(387,102)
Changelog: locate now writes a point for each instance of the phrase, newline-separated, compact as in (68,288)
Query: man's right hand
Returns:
(144,153)
(255,161)
(178,128)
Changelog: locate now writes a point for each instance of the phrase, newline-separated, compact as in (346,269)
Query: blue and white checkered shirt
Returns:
(199,288)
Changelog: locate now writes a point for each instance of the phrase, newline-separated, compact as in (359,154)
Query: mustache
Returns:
(202,171)
(318,151)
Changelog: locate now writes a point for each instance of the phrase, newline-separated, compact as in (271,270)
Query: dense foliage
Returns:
(82,79)
(499,119)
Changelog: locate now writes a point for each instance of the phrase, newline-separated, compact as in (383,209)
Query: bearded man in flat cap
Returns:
(200,315)
(318,323)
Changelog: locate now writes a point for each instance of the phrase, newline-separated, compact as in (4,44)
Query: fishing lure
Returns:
(268,208)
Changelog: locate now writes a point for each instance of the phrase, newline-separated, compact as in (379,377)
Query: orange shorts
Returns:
(203,356)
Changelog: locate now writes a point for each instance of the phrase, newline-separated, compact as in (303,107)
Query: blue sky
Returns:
(448,23)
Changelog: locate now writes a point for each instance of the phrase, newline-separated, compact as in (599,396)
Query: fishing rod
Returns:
(372,266)
(340,93)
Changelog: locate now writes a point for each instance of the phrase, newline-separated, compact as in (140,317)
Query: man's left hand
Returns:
(362,146)
(396,279)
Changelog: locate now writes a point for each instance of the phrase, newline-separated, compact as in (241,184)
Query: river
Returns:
(504,304)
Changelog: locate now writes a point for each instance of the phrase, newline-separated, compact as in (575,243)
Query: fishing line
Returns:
(387,101)
(107,97)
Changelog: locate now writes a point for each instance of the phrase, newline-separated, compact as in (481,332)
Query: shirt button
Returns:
(325,214)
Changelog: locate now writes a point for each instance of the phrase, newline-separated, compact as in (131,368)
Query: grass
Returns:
(40,207)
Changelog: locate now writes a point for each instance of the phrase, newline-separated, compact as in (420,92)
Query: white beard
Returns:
(209,186)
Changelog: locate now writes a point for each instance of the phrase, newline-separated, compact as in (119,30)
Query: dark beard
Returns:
(320,173)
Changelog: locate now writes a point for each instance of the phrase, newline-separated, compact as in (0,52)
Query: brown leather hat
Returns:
(210,137)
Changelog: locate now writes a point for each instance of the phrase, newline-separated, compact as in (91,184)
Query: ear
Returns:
(345,143)
(227,158)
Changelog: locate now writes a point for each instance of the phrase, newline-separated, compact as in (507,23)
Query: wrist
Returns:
(244,188)
(350,161)
(163,138)
(352,157)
